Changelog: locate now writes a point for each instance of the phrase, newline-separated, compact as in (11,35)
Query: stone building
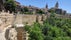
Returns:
(45,9)
(56,5)
(57,10)
(18,6)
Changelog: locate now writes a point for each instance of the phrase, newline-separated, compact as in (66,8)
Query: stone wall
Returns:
(28,19)
(5,19)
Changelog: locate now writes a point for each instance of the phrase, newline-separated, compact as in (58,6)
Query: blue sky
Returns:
(64,4)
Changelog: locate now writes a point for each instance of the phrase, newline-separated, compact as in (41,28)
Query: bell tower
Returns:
(46,9)
(57,5)
(46,6)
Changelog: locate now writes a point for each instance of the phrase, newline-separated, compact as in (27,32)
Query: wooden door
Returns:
(21,35)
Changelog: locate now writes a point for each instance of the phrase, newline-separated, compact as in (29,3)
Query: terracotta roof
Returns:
(17,3)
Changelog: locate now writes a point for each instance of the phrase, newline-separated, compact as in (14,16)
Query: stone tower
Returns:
(56,5)
(46,6)
(46,9)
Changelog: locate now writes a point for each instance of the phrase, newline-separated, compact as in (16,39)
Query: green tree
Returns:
(40,12)
(10,5)
(35,32)
(25,9)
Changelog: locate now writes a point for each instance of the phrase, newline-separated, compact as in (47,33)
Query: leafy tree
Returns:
(25,9)
(40,12)
(10,5)
(35,32)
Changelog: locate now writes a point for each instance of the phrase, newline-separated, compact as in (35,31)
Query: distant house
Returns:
(18,6)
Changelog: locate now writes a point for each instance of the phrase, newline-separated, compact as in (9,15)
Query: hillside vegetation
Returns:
(53,28)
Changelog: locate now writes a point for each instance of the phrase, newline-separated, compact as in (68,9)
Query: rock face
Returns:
(2,36)
(12,34)
(2,33)
(17,33)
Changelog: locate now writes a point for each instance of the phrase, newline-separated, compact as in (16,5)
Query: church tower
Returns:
(46,9)
(46,6)
(56,5)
